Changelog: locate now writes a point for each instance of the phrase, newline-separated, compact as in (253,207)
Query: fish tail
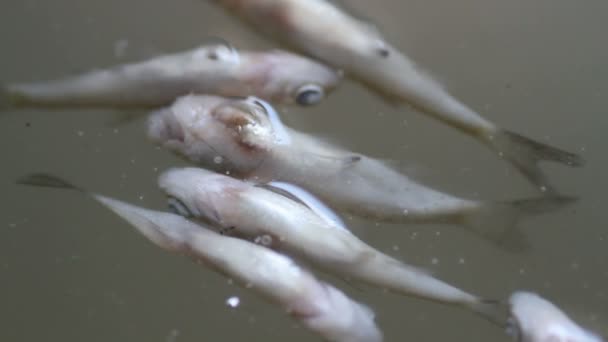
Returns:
(524,154)
(171,239)
(495,311)
(48,181)
(497,221)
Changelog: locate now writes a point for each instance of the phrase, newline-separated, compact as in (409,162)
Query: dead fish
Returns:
(275,75)
(279,222)
(534,319)
(247,139)
(318,306)
(322,30)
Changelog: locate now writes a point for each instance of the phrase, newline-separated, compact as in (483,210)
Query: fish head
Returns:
(284,77)
(202,194)
(222,134)
(534,319)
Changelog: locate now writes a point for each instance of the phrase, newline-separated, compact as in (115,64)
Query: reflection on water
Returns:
(71,271)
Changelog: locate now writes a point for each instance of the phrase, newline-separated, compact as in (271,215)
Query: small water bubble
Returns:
(574,266)
(437,233)
(80,133)
(406,212)
(132,161)
(435,261)
(543,188)
(395,248)
(12,225)
(218,159)
(141,197)
(233,301)
(155,169)
(230,281)
(522,271)
(501,154)
(115,131)
(414,235)
(461,261)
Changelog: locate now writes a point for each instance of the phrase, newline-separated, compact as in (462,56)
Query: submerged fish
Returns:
(275,75)
(324,31)
(318,306)
(534,319)
(247,139)
(290,226)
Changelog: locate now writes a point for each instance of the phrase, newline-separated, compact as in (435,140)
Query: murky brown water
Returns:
(72,271)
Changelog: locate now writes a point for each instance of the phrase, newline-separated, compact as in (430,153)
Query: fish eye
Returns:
(309,94)
(178,207)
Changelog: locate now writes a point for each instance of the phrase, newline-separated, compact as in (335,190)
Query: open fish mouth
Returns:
(264,114)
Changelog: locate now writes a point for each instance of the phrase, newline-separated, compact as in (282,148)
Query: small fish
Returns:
(534,319)
(275,75)
(318,306)
(324,31)
(239,137)
(279,222)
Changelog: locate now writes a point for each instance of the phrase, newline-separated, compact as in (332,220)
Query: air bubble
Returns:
(233,301)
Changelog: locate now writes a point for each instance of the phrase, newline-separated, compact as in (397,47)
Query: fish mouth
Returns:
(263,114)
(163,126)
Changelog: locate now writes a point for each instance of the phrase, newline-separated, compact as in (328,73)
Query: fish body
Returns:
(282,223)
(535,319)
(238,137)
(275,75)
(324,31)
(318,306)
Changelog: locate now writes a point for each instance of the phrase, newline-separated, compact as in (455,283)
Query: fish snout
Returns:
(163,126)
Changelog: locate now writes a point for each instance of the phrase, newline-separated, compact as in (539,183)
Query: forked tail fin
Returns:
(525,154)
(166,230)
(497,221)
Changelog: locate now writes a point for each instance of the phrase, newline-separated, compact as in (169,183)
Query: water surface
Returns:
(72,271)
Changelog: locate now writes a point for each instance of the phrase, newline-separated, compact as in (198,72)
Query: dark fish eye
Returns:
(178,207)
(309,94)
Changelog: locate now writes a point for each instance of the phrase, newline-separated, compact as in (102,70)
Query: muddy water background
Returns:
(71,271)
